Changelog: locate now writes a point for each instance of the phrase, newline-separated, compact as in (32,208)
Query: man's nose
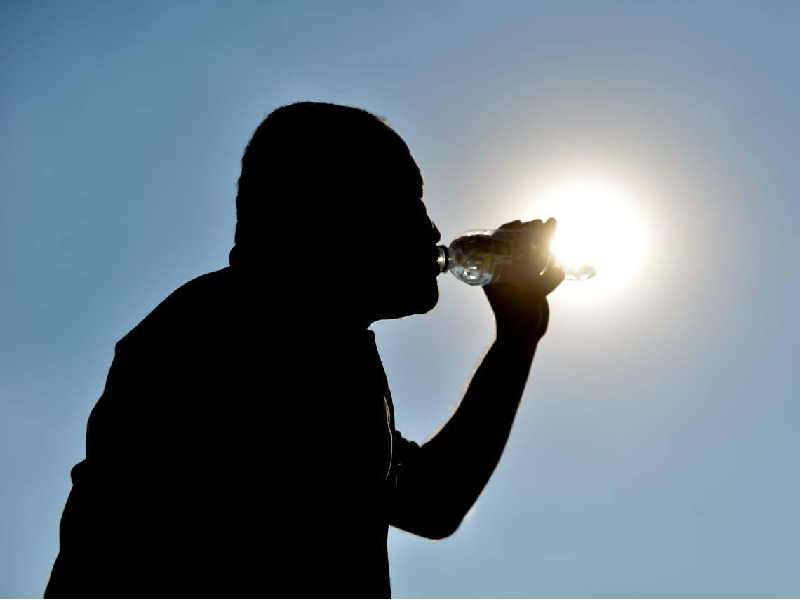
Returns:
(437,236)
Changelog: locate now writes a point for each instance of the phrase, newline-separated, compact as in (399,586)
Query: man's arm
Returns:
(440,481)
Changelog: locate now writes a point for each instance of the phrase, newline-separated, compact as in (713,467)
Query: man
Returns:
(245,442)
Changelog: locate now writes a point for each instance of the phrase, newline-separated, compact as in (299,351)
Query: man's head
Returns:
(331,197)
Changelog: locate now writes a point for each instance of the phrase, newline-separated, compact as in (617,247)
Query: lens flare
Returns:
(598,225)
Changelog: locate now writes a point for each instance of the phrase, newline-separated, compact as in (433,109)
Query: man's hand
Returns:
(520,308)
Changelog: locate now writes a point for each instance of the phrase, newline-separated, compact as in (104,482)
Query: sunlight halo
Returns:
(599,224)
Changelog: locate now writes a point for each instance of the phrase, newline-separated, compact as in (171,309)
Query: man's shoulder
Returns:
(196,306)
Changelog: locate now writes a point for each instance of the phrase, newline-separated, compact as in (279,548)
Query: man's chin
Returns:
(429,302)
(421,304)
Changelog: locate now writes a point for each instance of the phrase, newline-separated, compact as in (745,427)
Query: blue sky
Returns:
(655,453)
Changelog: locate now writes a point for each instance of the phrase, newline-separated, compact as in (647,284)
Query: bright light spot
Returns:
(599,225)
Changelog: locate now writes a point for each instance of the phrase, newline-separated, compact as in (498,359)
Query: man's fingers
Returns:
(535,224)
(512,225)
(536,285)
(549,231)
(544,320)
(550,280)
(545,230)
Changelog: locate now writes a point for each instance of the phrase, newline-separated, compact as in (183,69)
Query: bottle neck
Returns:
(445,259)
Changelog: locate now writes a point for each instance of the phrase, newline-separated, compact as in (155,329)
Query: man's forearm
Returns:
(462,456)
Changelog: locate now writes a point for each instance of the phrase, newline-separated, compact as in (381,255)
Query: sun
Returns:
(599,224)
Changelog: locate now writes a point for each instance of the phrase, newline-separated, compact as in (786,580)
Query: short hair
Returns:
(312,160)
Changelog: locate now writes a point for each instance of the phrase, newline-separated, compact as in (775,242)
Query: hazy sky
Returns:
(656,450)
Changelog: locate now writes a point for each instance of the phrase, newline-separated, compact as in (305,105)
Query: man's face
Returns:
(406,250)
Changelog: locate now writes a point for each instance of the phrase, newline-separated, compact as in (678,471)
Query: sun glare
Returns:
(598,225)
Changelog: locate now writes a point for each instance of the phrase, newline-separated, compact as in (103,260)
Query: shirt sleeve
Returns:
(405,455)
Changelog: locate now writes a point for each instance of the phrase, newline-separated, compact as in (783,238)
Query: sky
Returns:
(655,450)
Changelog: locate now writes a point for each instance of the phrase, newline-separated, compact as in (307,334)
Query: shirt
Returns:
(235,453)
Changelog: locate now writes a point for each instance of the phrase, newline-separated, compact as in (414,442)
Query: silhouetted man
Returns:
(245,442)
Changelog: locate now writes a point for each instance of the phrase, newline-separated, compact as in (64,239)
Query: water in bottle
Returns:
(484,256)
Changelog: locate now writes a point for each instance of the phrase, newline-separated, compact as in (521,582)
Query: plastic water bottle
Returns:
(484,256)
